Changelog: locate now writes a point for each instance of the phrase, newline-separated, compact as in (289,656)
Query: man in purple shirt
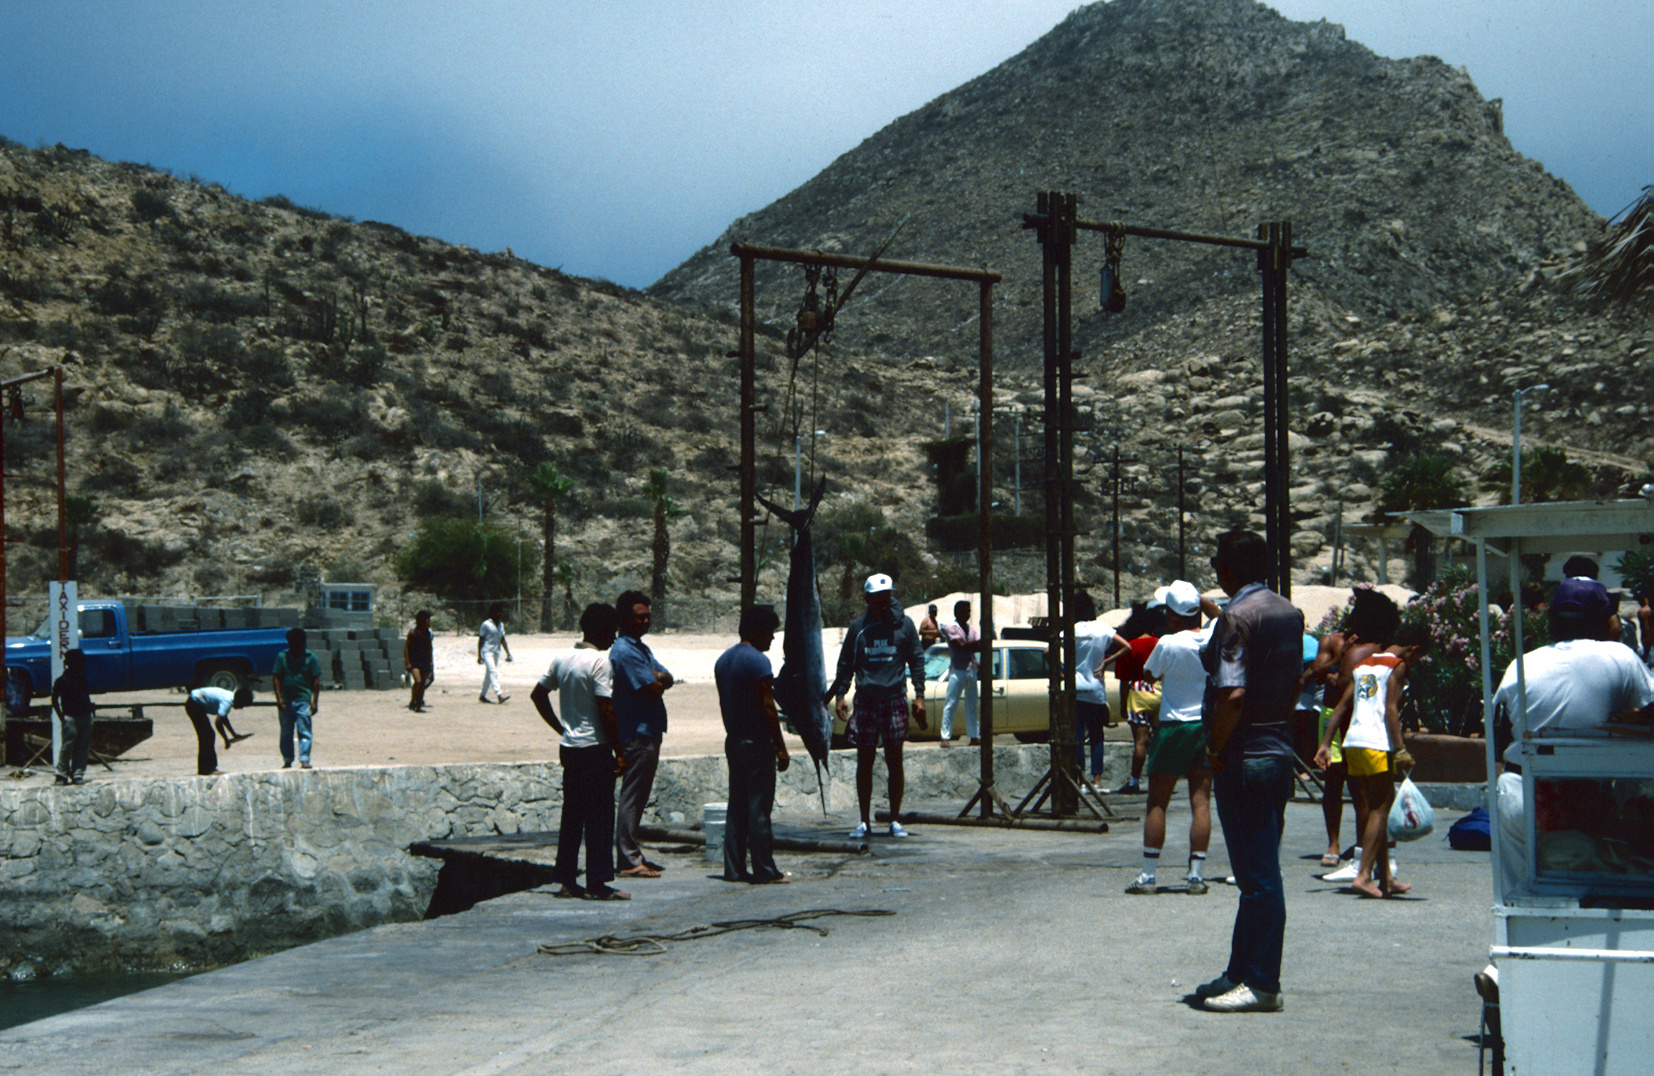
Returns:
(1252,662)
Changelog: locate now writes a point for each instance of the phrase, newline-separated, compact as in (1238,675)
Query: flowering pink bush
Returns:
(1444,691)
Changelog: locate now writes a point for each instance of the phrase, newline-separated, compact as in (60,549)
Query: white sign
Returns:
(63,614)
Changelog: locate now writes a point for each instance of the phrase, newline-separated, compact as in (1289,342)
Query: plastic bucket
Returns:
(712,824)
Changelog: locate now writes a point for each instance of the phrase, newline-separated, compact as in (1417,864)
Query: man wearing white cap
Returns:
(881,650)
(1178,748)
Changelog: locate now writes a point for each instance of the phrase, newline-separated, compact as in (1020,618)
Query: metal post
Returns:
(749,438)
(1016,445)
(1057,233)
(985,537)
(1115,475)
(1271,450)
(1281,255)
(62,484)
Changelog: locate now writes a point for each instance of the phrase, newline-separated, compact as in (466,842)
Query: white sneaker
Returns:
(1346,873)
(1244,999)
(1143,886)
(1218,986)
(860,832)
(896,829)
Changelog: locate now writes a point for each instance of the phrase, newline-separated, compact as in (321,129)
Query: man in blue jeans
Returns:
(1252,662)
(297,679)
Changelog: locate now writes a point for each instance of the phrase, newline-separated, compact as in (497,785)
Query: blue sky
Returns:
(615,137)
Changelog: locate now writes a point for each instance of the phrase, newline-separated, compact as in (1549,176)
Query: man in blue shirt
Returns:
(753,747)
(639,683)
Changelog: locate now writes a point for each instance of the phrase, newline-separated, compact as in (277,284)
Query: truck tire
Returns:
(228,677)
(1032,737)
(19,690)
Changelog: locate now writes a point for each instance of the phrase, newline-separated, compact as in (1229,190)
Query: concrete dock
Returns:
(1006,951)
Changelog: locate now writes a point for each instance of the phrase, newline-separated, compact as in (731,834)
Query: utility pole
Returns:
(1182,549)
(1118,482)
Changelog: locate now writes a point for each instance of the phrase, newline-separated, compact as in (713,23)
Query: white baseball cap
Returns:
(877,583)
(1181,598)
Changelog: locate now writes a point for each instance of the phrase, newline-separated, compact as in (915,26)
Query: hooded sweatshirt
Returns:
(878,653)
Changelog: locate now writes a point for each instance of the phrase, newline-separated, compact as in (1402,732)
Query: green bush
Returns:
(463,560)
(1422,483)
(1636,568)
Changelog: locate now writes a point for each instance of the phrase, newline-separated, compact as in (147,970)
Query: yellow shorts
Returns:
(1336,749)
(1365,762)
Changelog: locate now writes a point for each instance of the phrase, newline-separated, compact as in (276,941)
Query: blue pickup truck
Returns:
(119,658)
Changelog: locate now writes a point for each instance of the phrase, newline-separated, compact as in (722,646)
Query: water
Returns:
(48,996)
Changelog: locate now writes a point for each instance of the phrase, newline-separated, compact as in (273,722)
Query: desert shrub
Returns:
(562,424)
(320,510)
(168,426)
(106,419)
(148,205)
(626,508)
(431,498)
(86,334)
(208,302)
(116,476)
(117,551)
(328,417)
(281,201)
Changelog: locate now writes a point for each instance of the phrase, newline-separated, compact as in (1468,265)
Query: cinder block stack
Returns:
(357,658)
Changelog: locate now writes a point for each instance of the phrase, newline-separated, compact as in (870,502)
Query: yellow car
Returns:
(1022,699)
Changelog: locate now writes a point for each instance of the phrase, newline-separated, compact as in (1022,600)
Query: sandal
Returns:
(608,892)
(642,870)
(570,892)
(1329,859)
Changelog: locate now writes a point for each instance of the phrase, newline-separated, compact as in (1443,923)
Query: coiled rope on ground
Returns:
(656,944)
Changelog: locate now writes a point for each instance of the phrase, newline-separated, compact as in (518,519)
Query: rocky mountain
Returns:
(258,393)
(1195,115)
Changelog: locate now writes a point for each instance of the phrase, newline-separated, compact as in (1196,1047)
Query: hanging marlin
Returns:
(801,686)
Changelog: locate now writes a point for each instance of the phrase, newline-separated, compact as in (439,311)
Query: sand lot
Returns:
(375,728)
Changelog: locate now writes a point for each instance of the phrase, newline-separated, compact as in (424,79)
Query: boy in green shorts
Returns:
(1178,747)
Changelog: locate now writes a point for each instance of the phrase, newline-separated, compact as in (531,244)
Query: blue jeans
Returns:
(1089,719)
(295,721)
(1252,795)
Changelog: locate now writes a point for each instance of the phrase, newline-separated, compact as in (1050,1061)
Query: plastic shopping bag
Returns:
(1411,816)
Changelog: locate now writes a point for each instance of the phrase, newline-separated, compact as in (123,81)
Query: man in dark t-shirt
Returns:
(753,748)
(418,658)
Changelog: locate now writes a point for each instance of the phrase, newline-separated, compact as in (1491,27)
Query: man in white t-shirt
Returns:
(590,754)
(1094,644)
(1572,686)
(1178,747)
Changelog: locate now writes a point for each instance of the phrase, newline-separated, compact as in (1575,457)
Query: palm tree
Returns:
(550,485)
(1621,268)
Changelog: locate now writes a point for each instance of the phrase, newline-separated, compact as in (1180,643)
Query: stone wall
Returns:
(193,872)
(201,871)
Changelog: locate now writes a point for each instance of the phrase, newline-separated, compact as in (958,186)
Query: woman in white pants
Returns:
(490,642)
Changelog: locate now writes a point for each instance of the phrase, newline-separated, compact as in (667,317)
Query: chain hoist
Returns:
(1113,292)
